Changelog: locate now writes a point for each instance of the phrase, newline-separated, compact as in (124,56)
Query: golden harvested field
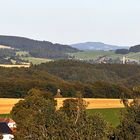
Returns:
(97,103)
(14,66)
(5,47)
(6,105)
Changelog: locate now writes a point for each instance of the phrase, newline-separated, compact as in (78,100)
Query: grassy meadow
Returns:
(87,55)
(4,115)
(110,115)
(36,61)
(27,57)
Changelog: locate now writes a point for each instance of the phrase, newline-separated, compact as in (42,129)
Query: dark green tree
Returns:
(129,129)
(38,119)
(31,116)
(83,126)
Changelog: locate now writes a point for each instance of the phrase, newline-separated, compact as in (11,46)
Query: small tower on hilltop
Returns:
(58,95)
(124,60)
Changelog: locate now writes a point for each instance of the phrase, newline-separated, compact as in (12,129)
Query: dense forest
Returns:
(72,77)
(42,49)
(90,73)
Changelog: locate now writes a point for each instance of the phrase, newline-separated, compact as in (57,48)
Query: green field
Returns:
(110,115)
(87,55)
(36,61)
(23,55)
(4,115)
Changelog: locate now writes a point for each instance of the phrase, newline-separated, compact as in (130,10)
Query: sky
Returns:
(72,21)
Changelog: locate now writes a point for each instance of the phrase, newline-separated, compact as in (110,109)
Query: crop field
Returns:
(93,103)
(6,105)
(14,66)
(108,108)
(111,115)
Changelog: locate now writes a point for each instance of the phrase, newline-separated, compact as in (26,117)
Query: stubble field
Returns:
(6,105)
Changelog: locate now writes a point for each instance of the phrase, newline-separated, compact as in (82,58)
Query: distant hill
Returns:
(41,49)
(122,51)
(135,48)
(96,46)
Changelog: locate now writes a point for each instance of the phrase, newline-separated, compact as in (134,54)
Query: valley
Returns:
(106,57)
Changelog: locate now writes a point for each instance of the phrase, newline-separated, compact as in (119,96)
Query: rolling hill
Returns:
(96,46)
(38,49)
(135,48)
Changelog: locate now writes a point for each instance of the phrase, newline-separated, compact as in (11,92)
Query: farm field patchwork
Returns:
(87,55)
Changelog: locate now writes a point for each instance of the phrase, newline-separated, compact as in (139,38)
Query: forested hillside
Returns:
(41,49)
(90,73)
(79,71)
(16,82)
(135,48)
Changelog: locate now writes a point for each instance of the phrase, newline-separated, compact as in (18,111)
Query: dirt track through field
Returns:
(6,105)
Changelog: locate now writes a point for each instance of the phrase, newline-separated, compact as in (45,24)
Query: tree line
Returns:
(16,82)
(37,118)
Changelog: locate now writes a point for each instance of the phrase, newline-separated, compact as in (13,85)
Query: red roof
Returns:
(7,120)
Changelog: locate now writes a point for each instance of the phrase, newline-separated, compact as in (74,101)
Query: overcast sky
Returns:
(72,21)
